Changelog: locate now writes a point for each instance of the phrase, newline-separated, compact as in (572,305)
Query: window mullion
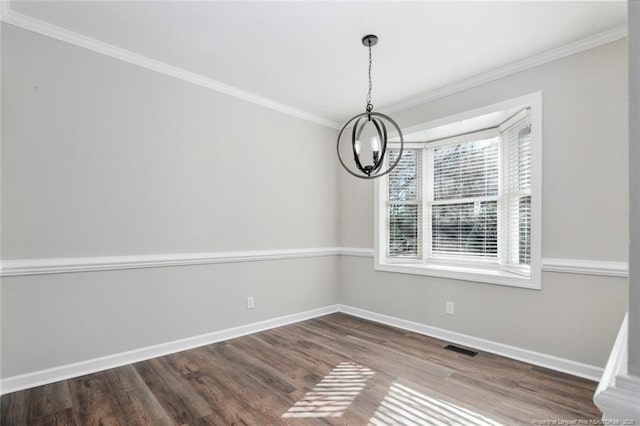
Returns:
(503,202)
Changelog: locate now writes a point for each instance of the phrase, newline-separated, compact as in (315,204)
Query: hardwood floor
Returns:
(336,369)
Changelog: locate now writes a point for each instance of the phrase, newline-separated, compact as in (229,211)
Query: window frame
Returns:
(476,270)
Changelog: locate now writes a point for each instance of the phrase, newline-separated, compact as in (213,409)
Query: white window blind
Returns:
(404,205)
(516,210)
(462,204)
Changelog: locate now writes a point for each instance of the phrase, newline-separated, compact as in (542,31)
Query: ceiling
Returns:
(308,55)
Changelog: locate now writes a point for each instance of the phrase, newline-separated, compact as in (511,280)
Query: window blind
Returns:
(463,205)
(404,205)
(516,252)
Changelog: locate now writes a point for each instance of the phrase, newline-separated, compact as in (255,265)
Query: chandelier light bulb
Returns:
(375,144)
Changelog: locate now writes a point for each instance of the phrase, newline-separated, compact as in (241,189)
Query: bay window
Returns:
(466,205)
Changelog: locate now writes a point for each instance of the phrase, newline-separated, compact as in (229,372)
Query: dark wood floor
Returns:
(331,370)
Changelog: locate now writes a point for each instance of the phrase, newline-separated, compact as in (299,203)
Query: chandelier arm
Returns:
(395,125)
(376,158)
(382,132)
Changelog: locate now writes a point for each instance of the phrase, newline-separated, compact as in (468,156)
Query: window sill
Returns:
(461,273)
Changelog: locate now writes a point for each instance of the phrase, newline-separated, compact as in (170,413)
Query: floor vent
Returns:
(461,350)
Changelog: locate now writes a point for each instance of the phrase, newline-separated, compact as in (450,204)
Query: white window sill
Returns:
(488,276)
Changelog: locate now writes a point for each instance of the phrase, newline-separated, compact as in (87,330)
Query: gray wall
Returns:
(101,158)
(584,216)
(58,319)
(127,161)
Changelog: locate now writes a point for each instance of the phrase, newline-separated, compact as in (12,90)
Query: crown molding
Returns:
(31,24)
(573,48)
(53,31)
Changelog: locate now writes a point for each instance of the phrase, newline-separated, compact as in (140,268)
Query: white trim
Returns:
(356,251)
(489,276)
(81,368)
(16,267)
(19,267)
(477,135)
(566,266)
(520,101)
(586,267)
(576,47)
(51,375)
(618,393)
(76,39)
(547,361)
(28,23)
(4,9)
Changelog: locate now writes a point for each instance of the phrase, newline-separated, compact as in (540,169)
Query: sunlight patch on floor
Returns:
(334,393)
(405,406)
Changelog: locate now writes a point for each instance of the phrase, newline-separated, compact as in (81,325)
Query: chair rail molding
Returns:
(18,267)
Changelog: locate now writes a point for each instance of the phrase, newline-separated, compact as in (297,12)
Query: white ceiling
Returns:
(308,55)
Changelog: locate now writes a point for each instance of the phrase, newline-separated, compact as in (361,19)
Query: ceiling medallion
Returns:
(376,132)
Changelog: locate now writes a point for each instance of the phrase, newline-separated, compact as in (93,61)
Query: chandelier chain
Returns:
(369,105)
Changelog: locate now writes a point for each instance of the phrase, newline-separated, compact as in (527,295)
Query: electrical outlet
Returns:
(450,310)
(250,304)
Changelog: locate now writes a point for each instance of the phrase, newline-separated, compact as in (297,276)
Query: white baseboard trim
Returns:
(543,360)
(51,375)
(64,372)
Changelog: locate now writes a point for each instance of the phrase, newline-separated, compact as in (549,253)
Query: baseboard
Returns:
(543,360)
(51,375)
(64,372)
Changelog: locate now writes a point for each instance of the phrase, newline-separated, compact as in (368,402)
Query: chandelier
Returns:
(369,125)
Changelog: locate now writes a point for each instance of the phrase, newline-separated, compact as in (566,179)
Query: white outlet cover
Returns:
(450,308)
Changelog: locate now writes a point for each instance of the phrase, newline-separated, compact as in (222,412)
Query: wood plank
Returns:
(115,397)
(172,390)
